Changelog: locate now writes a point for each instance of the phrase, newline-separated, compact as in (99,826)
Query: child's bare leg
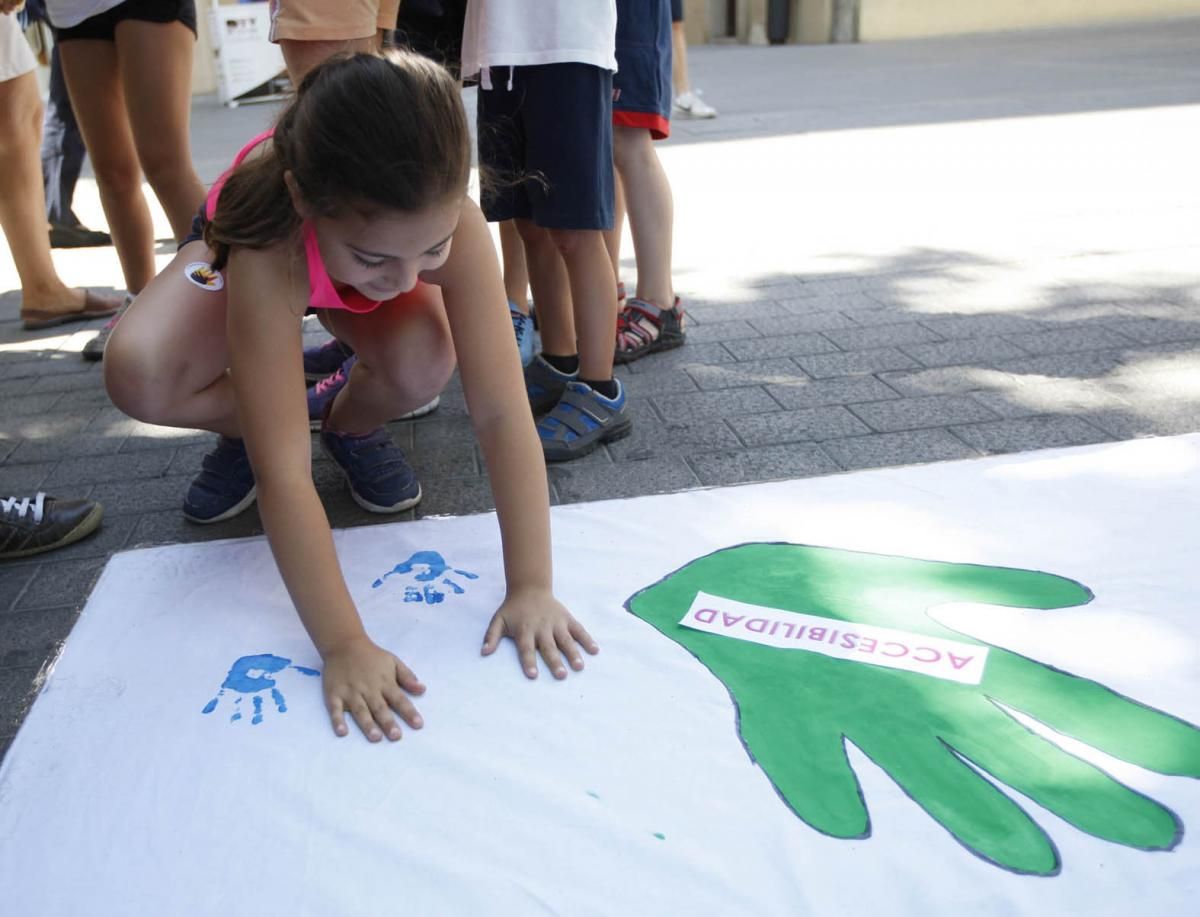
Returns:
(167,358)
(651,212)
(516,274)
(405,358)
(593,297)
(612,238)
(551,289)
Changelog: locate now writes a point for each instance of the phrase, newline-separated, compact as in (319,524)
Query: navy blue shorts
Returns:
(103,27)
(642,85)
(677,10)
(545,146)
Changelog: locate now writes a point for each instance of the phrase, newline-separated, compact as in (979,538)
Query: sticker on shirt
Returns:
(204,275)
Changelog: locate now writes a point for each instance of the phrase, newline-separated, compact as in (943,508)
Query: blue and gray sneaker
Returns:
(582,420)
(225,485)
(544,384)
(325,359)
(380,478)
(523,329)
(321,396)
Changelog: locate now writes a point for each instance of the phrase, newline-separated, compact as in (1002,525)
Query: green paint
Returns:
(660,835)
(796,709)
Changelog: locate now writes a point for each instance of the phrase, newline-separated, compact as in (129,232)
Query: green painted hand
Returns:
(797,707)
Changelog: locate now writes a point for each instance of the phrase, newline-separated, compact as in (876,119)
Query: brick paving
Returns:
(896,308)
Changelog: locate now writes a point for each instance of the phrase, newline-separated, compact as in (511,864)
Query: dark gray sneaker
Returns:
(94,349)
(31,525)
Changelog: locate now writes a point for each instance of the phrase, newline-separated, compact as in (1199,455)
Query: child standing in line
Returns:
(354,205)
(653,319)
(545,126)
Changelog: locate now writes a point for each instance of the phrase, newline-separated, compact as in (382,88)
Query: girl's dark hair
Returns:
(364,132)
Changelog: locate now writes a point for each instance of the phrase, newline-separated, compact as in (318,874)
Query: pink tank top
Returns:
(322,294)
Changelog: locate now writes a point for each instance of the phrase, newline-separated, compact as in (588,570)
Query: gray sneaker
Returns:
(93,350)
(31,525)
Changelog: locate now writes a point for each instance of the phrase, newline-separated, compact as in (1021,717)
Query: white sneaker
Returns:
(690,105)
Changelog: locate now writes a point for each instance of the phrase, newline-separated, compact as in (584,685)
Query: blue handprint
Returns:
(435,565)
(249,677)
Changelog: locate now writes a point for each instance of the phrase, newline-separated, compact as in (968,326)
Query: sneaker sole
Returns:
(314,423)
(235,510)
(384,510)
(563,452)
(87,525)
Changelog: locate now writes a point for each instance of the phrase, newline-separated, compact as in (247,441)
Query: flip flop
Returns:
(95,305)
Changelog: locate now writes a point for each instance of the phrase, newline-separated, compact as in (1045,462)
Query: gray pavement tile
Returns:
(734,311)
(169,527)
(881,336)
(27,405)
(1088,364)
(19,480)
(1167,417)
(659,440)
(891,315)
(983,325)
(810,424)
(768,463)
(687,408)
(639,386)
(1067,396)
(47,426)
(847,302)
(788,345)
(61,583)
(186,459)
(177,439)
(831,285)
(855,363)
(1030,433)
(681,358)
(343,513)
(83,397)
(44,366)
(91,379)
(447,460)
(12,388)
(6,448)
(624,479)
(796,324)
(131,498)
(911,447)
(850,390)
(1158,331)
(721,331)
(16,694)
(1069,340)
(740,375)
(28,638)
(455,496)
(63,447)
(14,577)
(120,467)
(438,432)
(978,351)
(915,413)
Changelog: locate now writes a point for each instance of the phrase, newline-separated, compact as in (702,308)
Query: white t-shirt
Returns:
(65,14)
(524,33)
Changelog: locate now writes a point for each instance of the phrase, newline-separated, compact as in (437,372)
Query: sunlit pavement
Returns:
(891,254)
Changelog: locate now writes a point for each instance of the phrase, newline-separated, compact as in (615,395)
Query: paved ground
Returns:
(892,254)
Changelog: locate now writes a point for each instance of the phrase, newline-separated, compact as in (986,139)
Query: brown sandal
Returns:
(95,305)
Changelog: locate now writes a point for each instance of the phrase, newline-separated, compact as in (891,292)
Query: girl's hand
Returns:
(537,622)
(369,683)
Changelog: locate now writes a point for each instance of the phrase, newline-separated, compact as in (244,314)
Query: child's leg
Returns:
(90,67)
(593,299)
(551,290)
(651,212)
(612,238)
(167,358)
(155,60)
(516,274)
(405,358)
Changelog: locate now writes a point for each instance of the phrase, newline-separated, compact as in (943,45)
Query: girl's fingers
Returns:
(362,715)
(580,633)
(549,651)
(382,714)
(569,648)
(491,639)
(399,702)
(337,715)
(527,651)
(407,679)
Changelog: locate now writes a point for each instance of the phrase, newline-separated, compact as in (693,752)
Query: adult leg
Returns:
(91,69)
(167,358)
(155,65)
(651,212)
(22,199)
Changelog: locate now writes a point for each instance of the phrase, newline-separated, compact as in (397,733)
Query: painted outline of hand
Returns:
(797,709)
(435,565)
(243,679)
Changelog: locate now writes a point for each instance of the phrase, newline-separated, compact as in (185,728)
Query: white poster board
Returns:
(179,759)
(245,57)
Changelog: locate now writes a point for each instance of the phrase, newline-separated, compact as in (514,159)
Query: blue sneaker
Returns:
(380,478)
(544,384)
(325,359)
(225,485)
(582,420)
(523,329)
(321,396)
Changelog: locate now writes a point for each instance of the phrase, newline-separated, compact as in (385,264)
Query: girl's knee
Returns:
(569,241)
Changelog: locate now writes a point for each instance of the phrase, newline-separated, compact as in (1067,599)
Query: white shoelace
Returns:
(21,507)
